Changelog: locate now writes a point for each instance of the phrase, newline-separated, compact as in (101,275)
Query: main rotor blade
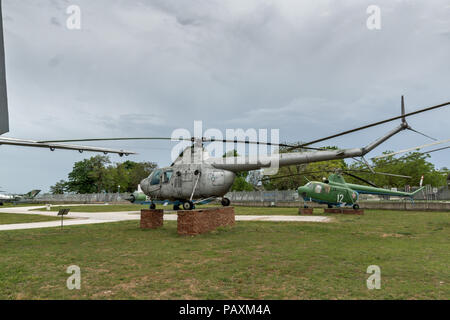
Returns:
(193,139)
(257,142)
(293,174)
(361,179)
(375,124)
(382,173)
(108,139)
(434,150)
(411,149)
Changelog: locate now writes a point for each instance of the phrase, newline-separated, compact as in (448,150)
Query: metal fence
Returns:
(263,196)
(82,198)
(429,193)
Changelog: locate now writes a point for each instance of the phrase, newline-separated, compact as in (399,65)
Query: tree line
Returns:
(97,175)
(413,164)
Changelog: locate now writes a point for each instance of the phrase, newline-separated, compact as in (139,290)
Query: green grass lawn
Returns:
(253,260)
(98,208)
(12,205)
(11,218)
(135,207)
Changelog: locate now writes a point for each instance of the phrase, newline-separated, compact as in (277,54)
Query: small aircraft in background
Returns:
(18,198)
(334,191)
(138,196)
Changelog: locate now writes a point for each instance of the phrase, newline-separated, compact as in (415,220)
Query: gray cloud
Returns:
(144,68)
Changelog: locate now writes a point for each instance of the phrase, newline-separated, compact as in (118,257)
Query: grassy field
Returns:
(253,260)
(12,205)
(134,207)
(99,208)
(10,218)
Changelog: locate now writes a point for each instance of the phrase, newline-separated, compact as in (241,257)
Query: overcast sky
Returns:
(145,68)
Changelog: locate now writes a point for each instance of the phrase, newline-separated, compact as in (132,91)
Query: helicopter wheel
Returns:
(188,205)
(152,206)
(330,206)
(356,206)
(225,202)
(176,207)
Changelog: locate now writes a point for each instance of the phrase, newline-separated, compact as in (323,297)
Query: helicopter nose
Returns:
(145,185)
(302,191)
(131,198)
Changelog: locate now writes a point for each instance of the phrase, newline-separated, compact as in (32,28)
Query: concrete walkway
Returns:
(80,218)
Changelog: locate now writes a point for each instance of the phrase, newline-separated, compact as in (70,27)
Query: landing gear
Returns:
(225,202)
(356,206)
(330,206)
(188,205)
(152,206)
(176,207)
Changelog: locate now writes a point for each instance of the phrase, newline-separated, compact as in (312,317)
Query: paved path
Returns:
(80,218)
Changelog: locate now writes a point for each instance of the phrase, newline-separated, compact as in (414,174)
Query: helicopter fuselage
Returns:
(187,181)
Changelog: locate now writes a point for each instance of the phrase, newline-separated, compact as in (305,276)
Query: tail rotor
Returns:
(407,126)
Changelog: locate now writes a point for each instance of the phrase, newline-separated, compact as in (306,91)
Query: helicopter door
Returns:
(178,183)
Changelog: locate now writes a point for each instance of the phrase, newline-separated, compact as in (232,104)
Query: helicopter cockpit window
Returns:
(156,176)
(318,188)
(167,175)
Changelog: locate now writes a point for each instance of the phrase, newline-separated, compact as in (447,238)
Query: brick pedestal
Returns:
(305,211)
(151,219)
(193,222)
(343,210)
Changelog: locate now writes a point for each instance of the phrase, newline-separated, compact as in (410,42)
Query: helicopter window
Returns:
(167,176)
(318,188)
(156,177)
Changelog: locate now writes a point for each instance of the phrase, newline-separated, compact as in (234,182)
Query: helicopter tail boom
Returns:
(244,163)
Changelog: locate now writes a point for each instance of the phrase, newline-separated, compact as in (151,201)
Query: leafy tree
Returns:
(240,184)
(413,164)
(97,174)
(88,176)
(59,188)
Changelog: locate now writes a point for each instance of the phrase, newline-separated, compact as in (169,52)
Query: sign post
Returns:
(62,213)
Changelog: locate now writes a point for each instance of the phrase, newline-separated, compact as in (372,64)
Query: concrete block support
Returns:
(193,222)
(151,219)
(343,210)
(305,211)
